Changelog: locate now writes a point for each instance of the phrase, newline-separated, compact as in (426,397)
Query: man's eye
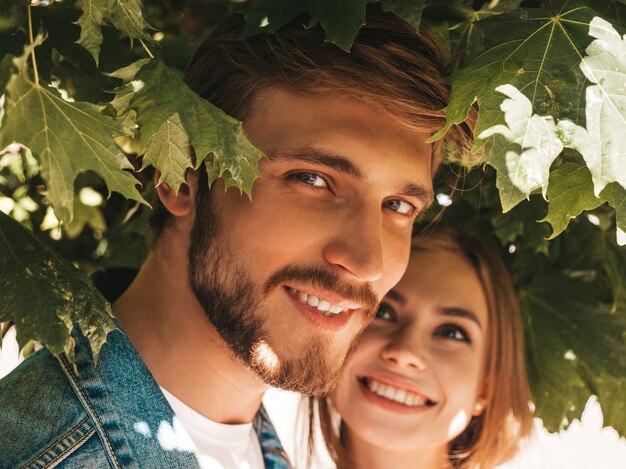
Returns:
(450,331)
(385,312)
(311,179)
(400,206)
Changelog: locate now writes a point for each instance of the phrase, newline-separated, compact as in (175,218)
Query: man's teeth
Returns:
(327,309)
(401,396)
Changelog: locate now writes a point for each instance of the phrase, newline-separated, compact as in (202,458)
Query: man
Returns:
(238,295)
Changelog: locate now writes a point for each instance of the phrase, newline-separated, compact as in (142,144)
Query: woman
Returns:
(438,379)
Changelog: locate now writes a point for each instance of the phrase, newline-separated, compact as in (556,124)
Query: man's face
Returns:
(291,278)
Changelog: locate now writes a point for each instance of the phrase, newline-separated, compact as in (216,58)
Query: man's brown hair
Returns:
(390,66)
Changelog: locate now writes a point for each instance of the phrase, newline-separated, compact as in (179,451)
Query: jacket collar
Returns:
(132,416)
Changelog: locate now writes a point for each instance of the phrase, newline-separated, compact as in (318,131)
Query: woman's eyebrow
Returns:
(462,313)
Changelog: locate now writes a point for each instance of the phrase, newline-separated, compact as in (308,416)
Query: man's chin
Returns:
(309,374)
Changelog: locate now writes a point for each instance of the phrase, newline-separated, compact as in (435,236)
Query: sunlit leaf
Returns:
(67,138)
(605,65)
(525,149)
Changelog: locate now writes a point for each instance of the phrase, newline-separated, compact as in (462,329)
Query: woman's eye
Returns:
(385,312)
(450,331)
(400,206)
(311,179)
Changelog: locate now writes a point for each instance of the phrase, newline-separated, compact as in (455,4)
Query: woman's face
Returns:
(417,373)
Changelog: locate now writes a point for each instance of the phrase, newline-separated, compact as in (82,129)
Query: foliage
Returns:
(92,91)
(31,272)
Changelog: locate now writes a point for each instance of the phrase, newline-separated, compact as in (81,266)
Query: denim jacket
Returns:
(109,415)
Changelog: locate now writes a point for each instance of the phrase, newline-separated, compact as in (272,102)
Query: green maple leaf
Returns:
(534,49)
(615,195)
(6,70)
(564,326)
(125,15)
(461,18)
(169,150)
(523,150)
(613,260)
(409,10)
(66,137)
(164,103)
(341,20)
(45,296)
(570,193)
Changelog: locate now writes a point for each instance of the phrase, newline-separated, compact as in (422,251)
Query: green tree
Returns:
(92,100)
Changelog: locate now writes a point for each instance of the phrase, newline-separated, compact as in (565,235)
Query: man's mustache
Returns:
(322,278)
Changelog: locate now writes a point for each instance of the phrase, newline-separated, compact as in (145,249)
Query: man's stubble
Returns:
(232,304)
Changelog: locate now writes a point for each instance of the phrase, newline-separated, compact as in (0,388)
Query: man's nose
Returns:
(357,246)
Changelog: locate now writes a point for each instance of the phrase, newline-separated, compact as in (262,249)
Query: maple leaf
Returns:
(125,15)
(66,137)
(615,195)
(570,193)
(409,10)
(523,155)
(536,50)
(564,325)
(341,20)
(45,296)
(171,117)
(603,146)
(169,150)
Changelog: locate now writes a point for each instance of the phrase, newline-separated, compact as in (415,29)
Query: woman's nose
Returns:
(405,353)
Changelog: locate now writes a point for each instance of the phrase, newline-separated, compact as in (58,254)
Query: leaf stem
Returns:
(32,41)
(146,48)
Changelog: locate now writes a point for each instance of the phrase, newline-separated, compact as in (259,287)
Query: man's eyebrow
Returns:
(419,192)
(311,155)
(462,313)
(344,165)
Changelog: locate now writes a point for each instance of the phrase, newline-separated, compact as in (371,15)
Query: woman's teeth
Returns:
(401,396)
(326,308)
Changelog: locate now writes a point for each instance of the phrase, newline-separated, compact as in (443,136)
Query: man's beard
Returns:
(231,303)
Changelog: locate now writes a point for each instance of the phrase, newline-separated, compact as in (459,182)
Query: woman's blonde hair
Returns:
(493,436)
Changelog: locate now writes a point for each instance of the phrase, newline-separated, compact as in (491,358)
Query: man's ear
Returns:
(179,204)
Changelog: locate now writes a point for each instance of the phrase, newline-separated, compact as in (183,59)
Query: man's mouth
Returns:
(396,395)
(324,306)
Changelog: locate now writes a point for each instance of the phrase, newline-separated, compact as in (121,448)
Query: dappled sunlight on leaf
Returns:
(67,139)
(528,148)
(605,65)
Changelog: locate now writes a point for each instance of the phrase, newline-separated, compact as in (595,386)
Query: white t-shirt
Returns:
(219,445)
